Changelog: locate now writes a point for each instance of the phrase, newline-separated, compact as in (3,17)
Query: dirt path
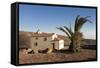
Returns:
(85,54)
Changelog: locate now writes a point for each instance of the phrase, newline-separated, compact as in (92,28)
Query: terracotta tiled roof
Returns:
(56,39)
(40,34)
(34,34)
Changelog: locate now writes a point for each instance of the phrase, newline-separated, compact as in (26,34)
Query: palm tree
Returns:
(75,36)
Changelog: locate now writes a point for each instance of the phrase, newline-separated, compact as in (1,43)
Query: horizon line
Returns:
(57,34)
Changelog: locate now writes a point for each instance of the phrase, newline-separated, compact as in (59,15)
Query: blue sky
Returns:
(47,18)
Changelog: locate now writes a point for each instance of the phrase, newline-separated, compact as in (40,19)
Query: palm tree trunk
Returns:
(76,42)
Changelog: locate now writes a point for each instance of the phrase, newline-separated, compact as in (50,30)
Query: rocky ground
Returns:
(59,56)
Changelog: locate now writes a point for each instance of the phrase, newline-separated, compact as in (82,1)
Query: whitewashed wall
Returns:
(61,44)
(41,44)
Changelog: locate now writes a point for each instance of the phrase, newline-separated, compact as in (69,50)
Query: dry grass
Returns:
(60,56)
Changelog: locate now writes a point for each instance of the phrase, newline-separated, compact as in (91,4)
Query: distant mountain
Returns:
(89,41)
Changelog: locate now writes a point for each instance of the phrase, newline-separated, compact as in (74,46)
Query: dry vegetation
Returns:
(58,56)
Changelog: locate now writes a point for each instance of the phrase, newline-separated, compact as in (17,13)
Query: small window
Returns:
(53,44)
(36,38)
(45,39)
(26,48)
(35,44)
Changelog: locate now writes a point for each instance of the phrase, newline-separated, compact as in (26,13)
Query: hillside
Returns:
(24,40)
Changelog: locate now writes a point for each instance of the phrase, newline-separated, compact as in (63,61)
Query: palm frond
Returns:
(63,30)
(81,21)
(87,17)
(71,28)
(76,20)
(68,30)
